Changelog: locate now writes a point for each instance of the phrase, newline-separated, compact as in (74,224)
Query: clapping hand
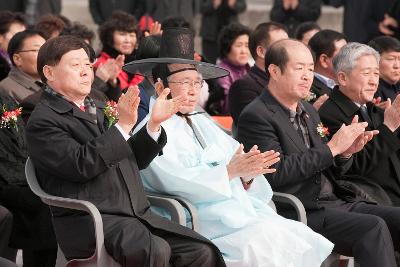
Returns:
(128,108)
(251,164)
(164,108)
(360,141)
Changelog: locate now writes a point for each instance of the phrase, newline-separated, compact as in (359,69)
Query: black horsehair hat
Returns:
(177,47)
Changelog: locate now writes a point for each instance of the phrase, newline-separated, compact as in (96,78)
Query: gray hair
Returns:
(346,59)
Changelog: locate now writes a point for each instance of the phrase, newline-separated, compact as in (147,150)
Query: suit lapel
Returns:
(282,117)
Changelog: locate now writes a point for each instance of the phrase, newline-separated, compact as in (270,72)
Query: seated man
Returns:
(279,120)
(389,66)
(377,165)
(244,90)
(79,153)
(6,222)
(203,164)
(23,80)
(325,44)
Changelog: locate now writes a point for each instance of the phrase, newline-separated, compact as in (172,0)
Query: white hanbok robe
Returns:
(241,224)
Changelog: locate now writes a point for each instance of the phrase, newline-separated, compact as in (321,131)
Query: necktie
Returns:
(365,116)
(196,132)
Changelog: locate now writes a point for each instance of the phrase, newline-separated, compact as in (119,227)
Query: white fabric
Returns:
(153,135)
(246,230)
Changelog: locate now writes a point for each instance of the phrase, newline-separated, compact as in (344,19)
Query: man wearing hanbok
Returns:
(209,168)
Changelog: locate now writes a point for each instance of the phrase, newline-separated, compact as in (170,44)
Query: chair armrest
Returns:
(293,201)
(176,210)
(194,217)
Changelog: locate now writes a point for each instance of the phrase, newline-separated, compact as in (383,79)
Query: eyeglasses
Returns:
(190,84)
(29,50)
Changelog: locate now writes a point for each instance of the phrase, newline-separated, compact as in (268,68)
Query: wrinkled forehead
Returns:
(183,71)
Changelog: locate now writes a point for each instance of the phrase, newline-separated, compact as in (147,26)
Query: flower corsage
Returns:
(322,130)
(311,96)
(9,118)
(111,113)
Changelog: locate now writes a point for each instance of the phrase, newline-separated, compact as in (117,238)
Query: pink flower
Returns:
(111,113)
(322,130)
(9,118)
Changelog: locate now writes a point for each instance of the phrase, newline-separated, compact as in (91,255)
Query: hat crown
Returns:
(177,43)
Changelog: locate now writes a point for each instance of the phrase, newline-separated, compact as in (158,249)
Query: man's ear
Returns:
(323,61)
(342,78)
(17,60)
(48,72)
(274,71)
(260,50)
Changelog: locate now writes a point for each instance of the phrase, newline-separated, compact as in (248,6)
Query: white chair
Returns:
(100,258)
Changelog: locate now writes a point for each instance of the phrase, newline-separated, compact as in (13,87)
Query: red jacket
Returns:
(122,76)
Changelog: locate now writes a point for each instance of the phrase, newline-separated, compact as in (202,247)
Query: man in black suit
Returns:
(325,44)
(389,67)
(79,152)
(244,90)
(279,120)
(378,163)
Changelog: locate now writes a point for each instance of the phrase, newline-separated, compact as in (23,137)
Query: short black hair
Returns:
(118,21)
(228,35)
(385,44)
(261,36)
(53,50)
(7,18)
(278,55)
(17,41)
(79,30)
(323,42)
(304,27)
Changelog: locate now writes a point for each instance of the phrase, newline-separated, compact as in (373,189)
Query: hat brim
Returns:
(145,66)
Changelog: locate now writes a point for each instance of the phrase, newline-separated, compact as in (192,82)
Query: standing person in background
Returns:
(233,43)
(119,37)
(10,24)
(293,12)
(361,17)
(101,10)
(215,15)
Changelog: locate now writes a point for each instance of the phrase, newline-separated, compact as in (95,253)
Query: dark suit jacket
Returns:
(379,161)
(386,90)
(319,88)
(78,158)
(244,90)
(265,123)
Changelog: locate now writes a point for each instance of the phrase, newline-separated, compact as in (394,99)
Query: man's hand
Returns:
(344,138)
(155,29)
(392,115)
(127,108)
(386,24)
(320,101)
(164,108)
(251,164)
(360,141)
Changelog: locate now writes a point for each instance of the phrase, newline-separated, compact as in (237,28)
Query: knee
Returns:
(6,218)
(377,225)
(162,250)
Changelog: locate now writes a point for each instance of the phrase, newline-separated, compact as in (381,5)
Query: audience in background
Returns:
(233,43)
(325,46)
(23,79)
(247,88)
(293,12)
(119,38)
(79,30)
(306,30)
(389,67)
(10,24)
(50,26)
(216,14)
